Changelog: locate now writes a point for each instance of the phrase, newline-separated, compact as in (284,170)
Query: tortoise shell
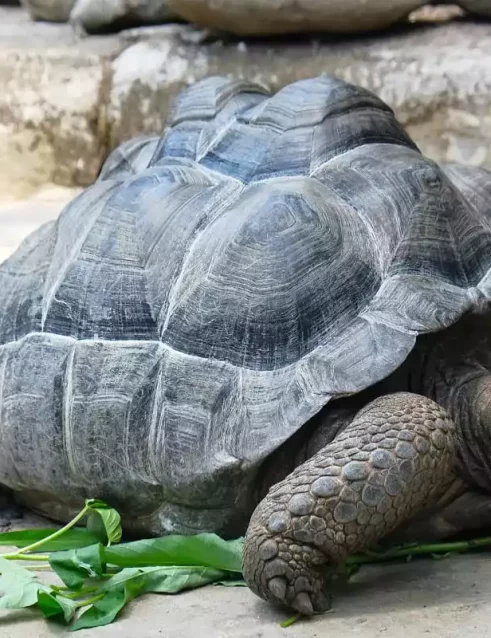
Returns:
(218,286)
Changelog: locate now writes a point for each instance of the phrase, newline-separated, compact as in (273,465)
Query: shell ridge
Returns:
(173,296)
(70,452)
(57,271)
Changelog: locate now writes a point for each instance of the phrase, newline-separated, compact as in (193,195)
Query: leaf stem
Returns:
(290,621)
(67,593)
(34,557)
(56,534)
(89,601)
(403,551)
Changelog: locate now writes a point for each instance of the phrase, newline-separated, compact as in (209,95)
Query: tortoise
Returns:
(273,318)
(94,16)
(263,17)
(51,10)
(242,17)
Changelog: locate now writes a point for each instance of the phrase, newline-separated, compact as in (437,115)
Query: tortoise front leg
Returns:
(395,458)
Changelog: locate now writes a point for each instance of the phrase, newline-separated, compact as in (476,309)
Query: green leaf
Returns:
(75,565)
(102,612)
(96,527)
(110,518)
(71,539)
(9,568)
(18,586)
(69,608)
(163,580)
(18,594)
(53,606)
(132,582)
(207,550)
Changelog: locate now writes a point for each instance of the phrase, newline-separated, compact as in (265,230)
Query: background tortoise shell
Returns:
(215,288)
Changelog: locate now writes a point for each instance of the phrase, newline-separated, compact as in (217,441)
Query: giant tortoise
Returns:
(278,307)
(244,17)
(263,17)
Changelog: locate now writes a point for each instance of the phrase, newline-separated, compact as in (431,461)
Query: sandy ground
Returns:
(450,598)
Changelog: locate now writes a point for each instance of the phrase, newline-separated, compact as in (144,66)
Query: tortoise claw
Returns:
(277,586)
(303,604)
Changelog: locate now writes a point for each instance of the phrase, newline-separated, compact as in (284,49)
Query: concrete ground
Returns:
(447,599)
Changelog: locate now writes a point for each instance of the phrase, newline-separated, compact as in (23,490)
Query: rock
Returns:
(243,17)
(99,15)
(54,94)
(66,102)
(51,10)
(478,7)
(432,14)
(438,79)
(247,17)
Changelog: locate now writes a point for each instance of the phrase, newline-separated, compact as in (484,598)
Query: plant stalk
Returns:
(56,534)
(33,557)
(455,547)
(89,601)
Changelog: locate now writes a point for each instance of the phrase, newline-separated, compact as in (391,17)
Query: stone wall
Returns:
(67,101)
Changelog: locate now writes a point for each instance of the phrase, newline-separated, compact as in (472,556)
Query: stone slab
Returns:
(68,100)
(436,78)
(52,103)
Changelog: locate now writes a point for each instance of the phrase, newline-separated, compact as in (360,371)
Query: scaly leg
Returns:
(395,458)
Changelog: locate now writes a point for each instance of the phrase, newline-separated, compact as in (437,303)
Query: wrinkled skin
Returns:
(410,460)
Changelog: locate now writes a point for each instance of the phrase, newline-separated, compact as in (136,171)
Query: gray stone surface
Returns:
(66,101)
(52,103)
(54,10)
(479,7)
(438,79)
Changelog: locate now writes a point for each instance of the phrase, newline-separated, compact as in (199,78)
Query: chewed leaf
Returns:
(102,612)
(99,512)
(132,582)
(75,565)
(17,592)
(71,539)
(164,580)
(207,550)
(53,606)
(9,568)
